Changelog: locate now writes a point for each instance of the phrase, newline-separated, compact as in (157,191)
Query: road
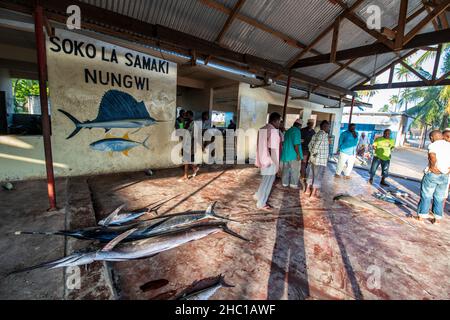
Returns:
(408,162)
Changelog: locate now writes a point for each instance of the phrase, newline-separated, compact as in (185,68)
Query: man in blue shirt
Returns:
(291,156)
(347,151)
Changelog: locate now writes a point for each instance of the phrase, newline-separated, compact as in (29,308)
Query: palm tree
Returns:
(394,101)
(433,103)
(367,94)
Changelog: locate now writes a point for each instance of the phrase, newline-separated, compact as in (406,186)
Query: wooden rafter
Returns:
(291,63)
(391,65)
(334,42)
(258,25)
(347,65)
(444,77)
(437,59)
(400,85)
(391,76)
(432,15)
(402,16)
(421,40)
(414,71)
(230,20)
(351,16)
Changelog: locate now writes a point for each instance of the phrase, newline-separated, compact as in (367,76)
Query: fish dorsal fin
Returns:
(114,242)
(109,136)
(126,136)
(113,215)
(210,210)
(118,105)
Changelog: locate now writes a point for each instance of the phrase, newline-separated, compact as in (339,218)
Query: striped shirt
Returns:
(319,148)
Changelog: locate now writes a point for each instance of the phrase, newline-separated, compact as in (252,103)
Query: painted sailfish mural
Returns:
(117,110)
(113,144)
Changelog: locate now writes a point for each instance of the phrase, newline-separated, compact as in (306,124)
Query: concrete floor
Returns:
(305,249)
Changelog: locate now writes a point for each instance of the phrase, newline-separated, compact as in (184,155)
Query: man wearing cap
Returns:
(291,156)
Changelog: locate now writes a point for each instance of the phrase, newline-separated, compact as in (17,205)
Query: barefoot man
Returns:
(267,159)
(435,179)
(319,149)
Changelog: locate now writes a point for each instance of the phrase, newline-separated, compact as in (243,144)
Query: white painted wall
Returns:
(271,97)
(23,157)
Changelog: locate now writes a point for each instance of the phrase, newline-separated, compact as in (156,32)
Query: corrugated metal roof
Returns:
(301,20)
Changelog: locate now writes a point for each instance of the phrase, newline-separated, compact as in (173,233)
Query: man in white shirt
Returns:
(435,180)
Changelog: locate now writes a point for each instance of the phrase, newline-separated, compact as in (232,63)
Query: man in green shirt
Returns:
(383,147)
(291,156)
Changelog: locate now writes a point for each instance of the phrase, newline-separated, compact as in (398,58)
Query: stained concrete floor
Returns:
(305,249)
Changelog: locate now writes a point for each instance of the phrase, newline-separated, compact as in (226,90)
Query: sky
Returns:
(383,96)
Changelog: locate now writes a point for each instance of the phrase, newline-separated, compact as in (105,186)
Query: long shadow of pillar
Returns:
(288,274)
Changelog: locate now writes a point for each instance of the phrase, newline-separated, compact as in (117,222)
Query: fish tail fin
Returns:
(232,233)
(224,283)
(75,121)
(210,212)
(145,143)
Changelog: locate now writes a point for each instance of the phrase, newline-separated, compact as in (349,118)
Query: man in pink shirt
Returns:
(268,159)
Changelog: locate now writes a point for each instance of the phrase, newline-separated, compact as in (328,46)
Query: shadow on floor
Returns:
(288,274)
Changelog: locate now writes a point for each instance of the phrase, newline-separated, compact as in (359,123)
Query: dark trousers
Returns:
(304,164)
(376,162)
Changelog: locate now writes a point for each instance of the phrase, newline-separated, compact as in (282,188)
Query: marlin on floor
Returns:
(118,219)
(356,202)
(204,289)
(143,229)
(118,251)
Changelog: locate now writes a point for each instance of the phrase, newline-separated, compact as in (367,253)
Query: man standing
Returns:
(383,147)
(179,122)
(347,151)
(319,148)
(267,159)
(363,144)
(307,133)
(435,180)
(291,156)
(446,134)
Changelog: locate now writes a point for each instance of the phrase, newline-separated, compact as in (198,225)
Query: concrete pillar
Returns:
(307,112)
(6,85)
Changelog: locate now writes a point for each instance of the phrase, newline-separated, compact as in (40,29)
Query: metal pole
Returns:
(286,100)
(351,111)
(42,66)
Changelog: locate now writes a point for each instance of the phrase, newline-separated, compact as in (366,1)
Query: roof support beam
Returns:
(443,78)
(391,65)
(322,34)
(431,16)
(426,39)
(230,20)
(347,65)
(401,24)
(400,85)
(334,43)
(285,38)
(351,16)
(437,59)
(417,74)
